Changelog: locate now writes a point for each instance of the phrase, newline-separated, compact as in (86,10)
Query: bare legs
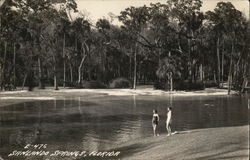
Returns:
(154,128)
(168,126)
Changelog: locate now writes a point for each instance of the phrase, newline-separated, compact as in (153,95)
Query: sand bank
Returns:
(213,144)
(149,91)
(12,97)
(120,92)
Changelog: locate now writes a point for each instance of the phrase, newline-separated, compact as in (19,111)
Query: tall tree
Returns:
(228,22)
(135,21)
(187,14)
(81,29)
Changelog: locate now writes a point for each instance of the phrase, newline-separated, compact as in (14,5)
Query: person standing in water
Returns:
(155,121)
(169,120)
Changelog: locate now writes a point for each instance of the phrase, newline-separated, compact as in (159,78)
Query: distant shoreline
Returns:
(20,96)
(125,92)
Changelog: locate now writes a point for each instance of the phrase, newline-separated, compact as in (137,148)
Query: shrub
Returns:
(160,85)
(184,85)
(179,85)
(92,85)
(209,84)
(120,83)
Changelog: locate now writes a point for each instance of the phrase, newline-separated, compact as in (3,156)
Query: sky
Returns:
(96,9)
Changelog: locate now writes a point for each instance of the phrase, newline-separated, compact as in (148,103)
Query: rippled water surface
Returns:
(98,123)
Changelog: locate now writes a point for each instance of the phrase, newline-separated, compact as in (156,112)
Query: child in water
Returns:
(155,121)
(169,120)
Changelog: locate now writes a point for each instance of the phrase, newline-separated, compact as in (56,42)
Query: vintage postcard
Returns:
(124,79)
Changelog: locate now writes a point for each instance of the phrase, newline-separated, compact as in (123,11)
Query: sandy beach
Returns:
(12,97)
(213,144)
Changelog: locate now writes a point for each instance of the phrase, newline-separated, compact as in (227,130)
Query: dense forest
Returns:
(173,45)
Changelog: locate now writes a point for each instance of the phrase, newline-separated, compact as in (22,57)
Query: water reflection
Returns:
(97,124)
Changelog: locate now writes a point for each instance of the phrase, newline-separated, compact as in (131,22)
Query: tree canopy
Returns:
(166,44)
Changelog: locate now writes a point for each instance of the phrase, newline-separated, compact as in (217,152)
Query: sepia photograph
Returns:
(124,79)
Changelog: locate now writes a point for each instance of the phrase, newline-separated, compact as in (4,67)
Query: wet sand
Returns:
(213,144)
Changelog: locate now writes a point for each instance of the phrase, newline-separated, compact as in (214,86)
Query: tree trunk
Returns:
(64,74)
(203,75)
(24,80)
(171,76)
(3,69)
(201,72)
(189,61)
(244,84)
(40,73)
(119,70)
(171,82)
(215,81)
(55,74)
(89,68)
(230,71)
(245,72)
(218,60)
(80,68)
(138,76)
(103,62)
(64,63)
(30,79)
(14,65)
(71,73)
(159,62)
(222,66)
(130,68)
(55,78)
(135,68)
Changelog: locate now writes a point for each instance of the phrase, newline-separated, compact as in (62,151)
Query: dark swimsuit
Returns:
(155,120)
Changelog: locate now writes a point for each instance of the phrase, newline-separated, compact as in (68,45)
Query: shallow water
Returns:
(99,123)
